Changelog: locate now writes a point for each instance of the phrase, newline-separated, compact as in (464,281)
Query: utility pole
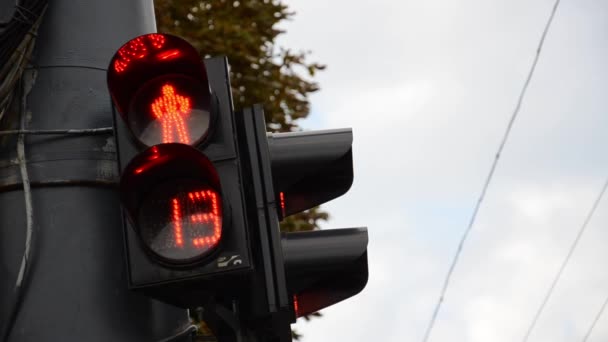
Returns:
(76,289)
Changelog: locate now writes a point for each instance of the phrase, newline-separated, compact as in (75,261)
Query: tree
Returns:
(261,71)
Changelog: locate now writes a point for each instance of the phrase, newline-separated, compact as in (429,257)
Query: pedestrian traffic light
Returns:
(203,190)
(184,219)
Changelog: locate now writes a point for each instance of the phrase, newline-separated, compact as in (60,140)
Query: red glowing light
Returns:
(168,54)
(296,308)
(136,49)
(120,65)
(153,159)
(170,109)
(177,221)
(157,40)
(282,199)
(197,200)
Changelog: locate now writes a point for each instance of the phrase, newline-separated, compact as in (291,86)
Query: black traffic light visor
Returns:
(310,168)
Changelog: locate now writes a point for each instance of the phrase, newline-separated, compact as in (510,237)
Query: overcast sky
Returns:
(428,87)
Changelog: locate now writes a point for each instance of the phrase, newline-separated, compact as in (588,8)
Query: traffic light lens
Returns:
(171,108)
(146,58)
(181,220)
(137,48)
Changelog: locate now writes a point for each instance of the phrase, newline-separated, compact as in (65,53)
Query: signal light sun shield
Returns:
(172,195)
(324,267)
(310,168)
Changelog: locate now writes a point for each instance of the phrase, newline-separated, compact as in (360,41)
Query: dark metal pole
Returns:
(77,286)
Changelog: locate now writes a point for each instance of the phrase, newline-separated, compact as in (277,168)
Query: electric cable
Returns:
(488,180)
(558,276)
(595,320)
(15,56)
(191,329)
(25,262)
(22,276)
(86,131)
(16,45)
(14,32)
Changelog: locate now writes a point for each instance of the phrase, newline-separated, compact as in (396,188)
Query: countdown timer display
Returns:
(181,221)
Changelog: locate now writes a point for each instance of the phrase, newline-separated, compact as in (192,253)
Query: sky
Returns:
(428,88)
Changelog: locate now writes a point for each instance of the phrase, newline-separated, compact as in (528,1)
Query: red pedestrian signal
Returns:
(160,87)
(171,110)
(180,169)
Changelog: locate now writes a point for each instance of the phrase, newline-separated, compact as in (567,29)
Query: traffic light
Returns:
(309,169)
(184,218)
(298,171)
(203,190)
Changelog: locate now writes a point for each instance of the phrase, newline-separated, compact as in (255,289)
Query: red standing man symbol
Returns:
(171,109)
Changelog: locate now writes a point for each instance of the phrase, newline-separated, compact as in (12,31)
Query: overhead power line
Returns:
(565,262)
(463,239)
(595,320)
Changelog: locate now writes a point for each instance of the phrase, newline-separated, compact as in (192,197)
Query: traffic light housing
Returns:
(299,171)
(310,168)
(324,267)
(184,214)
